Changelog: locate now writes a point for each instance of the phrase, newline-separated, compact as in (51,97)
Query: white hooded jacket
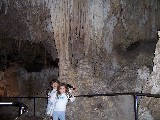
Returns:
(61,102)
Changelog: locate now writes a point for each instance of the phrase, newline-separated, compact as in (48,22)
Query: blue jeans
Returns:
(59,114)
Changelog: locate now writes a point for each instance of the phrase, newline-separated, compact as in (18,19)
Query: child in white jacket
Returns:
(52,97)
(63,97)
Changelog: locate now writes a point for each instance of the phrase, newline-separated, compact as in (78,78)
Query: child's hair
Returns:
(54,81)
(58,89)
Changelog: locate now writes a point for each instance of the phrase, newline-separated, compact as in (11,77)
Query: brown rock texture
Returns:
(102,46)
(149,107)
(9,83)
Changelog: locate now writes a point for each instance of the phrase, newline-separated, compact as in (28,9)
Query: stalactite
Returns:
(6,3)
(1,3)
(19,45)
(45,56)
(86,34)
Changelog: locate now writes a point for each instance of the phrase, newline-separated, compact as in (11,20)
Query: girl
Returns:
(52,97)
(62,99)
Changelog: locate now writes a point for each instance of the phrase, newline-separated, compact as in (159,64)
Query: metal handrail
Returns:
(103,94)
(118,94)
(135,97)
(30,97)
(134,94)
(22,107)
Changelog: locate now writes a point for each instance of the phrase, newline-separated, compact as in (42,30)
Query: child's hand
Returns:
(73,90)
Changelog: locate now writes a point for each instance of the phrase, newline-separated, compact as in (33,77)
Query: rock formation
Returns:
(102,46)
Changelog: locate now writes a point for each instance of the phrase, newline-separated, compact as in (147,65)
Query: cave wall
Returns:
(26,21)
(102,46)
(95,39)
(149,107)
(154,78)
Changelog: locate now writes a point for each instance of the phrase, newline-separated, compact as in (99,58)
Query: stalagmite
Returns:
(100,45)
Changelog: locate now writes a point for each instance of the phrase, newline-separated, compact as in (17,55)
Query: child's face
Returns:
(54,85)
(62,89)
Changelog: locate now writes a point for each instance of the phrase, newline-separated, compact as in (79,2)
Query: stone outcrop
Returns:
(101,44)
(149,107)
(155,76)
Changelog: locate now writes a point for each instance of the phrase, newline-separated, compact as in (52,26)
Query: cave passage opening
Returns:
(32,56)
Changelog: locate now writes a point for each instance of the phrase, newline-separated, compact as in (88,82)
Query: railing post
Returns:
(19,111)
(136,106)
(34,106)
